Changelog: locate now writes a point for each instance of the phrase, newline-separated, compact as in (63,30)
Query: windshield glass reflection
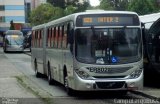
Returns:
(108,46)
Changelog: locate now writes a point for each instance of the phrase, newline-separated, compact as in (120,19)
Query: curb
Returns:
(145,95)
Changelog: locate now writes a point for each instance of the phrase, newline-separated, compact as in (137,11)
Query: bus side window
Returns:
(60,37)
(47,38)
(36,39)
(52,37)
(33,40)
(40,38)
(54,40)
(64,44)
(70,31)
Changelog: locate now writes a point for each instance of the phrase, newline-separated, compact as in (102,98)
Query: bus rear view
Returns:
(13,41)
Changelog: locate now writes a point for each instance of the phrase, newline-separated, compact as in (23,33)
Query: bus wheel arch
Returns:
(49,75)
(66,84)
(36,68)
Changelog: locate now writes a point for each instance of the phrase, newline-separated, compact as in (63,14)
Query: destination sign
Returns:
(108,20)
(100,19)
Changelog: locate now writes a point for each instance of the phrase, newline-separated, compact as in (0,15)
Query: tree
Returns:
(123,5)
(113,4)
(44,13)
(82,7)
(71,5)
(57,3)
(105,5)
(69,10)
(12,25)
(141,6)
(57,12)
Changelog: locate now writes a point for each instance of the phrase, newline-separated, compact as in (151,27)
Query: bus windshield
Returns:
(108,45)
(14,40)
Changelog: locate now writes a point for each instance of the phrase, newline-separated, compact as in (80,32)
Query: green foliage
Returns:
(44,13)
(72,2)
(69,10)
(57,3)
(105,5)
(57,8)
(69,6)
(141,6)
(82,7)
(57,13)
(12,25)
(113,4)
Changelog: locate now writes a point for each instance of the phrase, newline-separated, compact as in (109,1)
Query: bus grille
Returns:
(109,77)
(110,85)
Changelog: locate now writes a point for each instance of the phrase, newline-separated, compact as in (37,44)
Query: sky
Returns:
(94,2)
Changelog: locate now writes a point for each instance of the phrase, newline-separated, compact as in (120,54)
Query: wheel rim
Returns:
(65,82)
(49,75)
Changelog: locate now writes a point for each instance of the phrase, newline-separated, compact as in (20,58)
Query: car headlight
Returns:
(135,74)
(82,74)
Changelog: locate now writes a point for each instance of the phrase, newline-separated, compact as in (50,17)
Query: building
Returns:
(11,10)
(27,9)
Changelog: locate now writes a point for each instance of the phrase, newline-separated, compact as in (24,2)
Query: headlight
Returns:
(82,74)
(135,74)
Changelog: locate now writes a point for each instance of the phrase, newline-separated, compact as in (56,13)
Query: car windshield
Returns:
(14,39)
(108,46)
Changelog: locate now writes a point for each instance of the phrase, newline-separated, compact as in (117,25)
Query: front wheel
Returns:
(69,91)
(36,70)
(50,80)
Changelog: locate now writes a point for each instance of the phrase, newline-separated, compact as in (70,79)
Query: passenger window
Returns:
(64,37)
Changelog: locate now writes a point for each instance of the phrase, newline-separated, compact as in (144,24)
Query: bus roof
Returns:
(72,17)
(38,27)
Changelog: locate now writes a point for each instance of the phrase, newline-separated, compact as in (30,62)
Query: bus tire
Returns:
(36,69)
(50,80)
(69,91)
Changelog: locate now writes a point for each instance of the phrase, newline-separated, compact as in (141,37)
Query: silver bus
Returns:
(13,41)
(90,51)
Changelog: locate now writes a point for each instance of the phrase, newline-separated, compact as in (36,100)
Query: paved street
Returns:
(17,80)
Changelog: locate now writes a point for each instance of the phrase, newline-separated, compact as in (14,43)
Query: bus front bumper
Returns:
(108,84)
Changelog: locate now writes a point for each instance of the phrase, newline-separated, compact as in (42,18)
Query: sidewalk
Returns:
(9,87)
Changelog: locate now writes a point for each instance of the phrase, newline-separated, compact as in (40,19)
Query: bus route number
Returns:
(87,20)
(108,19)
